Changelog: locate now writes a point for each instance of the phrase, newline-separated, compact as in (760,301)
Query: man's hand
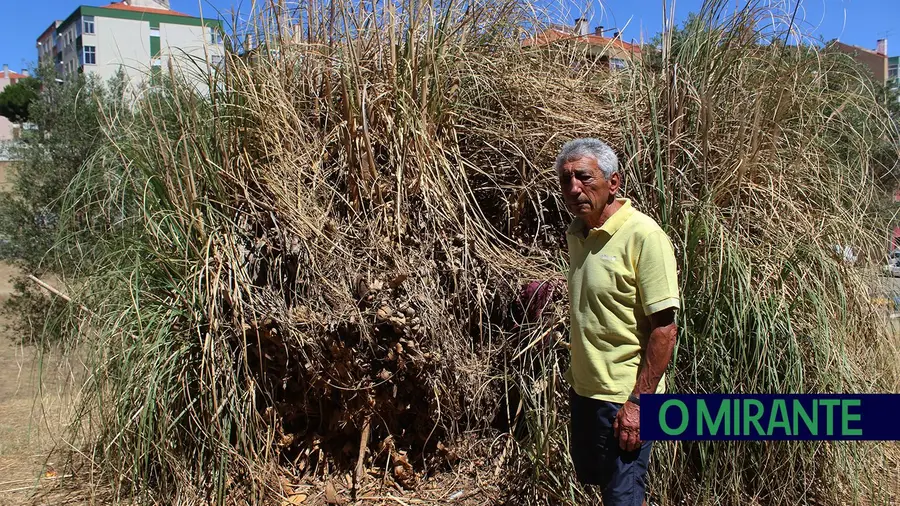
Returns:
(663,332)
(627,427)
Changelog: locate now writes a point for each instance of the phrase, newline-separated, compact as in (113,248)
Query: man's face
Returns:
(584,188)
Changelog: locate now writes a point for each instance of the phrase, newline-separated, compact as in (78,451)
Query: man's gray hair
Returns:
(588,146)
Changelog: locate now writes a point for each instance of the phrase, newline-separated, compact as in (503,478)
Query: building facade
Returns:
(7,77)
(893,67)
(139,37)
(876,61)
(611,51)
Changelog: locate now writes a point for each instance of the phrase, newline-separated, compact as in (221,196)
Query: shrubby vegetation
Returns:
(68,121)
(16,98)
(318,265)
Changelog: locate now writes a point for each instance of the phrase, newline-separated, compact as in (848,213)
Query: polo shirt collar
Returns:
(611,226)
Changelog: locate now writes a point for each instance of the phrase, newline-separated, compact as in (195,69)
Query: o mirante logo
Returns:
(770,417)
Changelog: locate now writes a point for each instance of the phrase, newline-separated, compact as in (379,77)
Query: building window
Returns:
(90,55)
(154,32)
(88,24)
(215,36)
(617,64)
(157,62)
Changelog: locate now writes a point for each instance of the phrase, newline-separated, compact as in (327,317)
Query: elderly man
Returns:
(623,294)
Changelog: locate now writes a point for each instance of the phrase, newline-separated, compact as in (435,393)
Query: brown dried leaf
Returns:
(404,473)
(397,281)
(294,499)
(331,496)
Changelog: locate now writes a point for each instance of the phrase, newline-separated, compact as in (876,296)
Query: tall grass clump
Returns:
(312,263)
(762,159)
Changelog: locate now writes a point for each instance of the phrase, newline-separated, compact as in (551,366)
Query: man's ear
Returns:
(615,182)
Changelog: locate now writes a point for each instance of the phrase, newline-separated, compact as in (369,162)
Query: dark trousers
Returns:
(598,458)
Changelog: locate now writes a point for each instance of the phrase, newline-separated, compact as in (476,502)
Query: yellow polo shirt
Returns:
(621,273)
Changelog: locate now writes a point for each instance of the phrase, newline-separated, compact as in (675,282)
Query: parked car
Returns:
(892,268)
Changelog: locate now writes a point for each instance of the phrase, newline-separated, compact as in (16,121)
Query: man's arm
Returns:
(661,343)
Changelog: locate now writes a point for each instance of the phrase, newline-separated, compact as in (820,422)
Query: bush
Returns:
(16,98)
(69,118)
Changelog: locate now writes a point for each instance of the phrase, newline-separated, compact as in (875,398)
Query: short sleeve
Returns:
(657,274)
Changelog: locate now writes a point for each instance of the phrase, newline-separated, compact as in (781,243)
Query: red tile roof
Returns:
(122,6)
(12,75)
(857,48)
(554,35)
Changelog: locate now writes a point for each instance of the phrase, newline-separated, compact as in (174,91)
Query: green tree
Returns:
(889,96)
(69,118)
(16,98)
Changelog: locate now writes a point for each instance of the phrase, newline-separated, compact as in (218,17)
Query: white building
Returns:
(140,37)
(7,77)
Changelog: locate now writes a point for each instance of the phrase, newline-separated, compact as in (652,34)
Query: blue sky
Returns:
(859,22)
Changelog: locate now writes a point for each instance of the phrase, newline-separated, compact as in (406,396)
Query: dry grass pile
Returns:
(320,263)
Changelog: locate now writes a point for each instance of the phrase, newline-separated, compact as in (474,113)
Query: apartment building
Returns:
(876,61)
(612,51)
(893,67)
(137,36)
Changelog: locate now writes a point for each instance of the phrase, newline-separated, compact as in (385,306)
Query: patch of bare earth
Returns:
(33,409)
(28,420)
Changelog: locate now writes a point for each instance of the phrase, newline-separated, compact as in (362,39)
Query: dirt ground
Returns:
(31,411)
(27,420)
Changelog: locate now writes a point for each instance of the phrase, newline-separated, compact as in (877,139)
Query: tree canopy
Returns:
(15,99)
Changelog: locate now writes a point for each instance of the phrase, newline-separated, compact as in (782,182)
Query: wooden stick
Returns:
(19,489)
(56,292)
(42,478)
(360,461)
(404,502)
